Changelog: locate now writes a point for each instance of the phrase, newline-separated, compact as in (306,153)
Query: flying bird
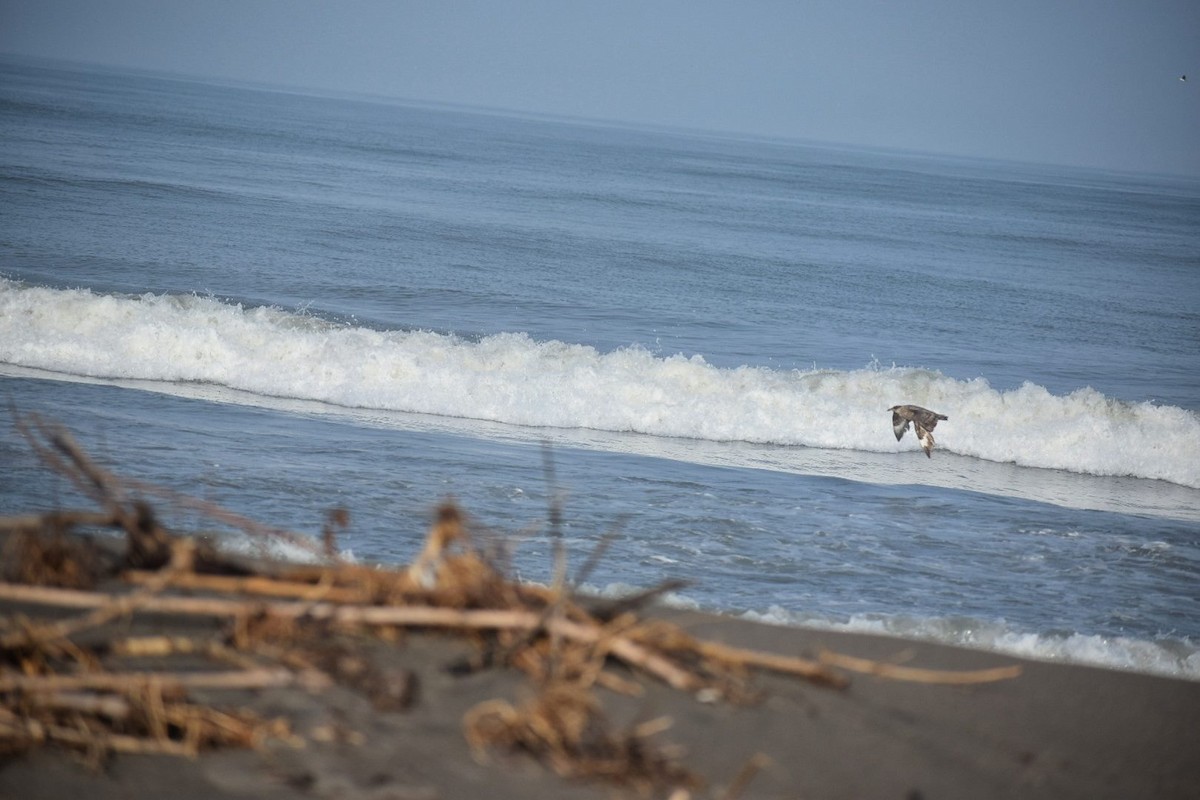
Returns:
(922,419)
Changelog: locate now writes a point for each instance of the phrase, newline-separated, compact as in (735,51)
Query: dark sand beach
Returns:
(1054,731)
(138,662)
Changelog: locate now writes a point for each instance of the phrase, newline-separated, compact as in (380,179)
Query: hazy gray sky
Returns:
(1093,82)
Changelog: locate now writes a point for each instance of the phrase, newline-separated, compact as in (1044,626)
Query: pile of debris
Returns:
(72,676)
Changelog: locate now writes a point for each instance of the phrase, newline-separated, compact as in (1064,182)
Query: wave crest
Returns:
(513,379)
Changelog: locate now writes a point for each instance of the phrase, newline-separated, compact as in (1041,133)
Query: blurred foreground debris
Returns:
(72,677)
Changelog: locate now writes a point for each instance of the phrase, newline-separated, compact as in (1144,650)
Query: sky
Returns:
(1092,83)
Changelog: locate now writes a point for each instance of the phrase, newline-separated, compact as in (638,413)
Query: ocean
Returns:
(286,303)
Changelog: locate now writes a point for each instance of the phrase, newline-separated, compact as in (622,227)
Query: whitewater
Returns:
(513,379)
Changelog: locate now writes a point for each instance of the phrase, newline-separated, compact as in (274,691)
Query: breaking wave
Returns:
(510,378)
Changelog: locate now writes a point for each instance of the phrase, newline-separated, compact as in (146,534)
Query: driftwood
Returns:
(104,681)
(56,520)
(898,672)
(257,585)
(56,690)
(623,648)
(80,721)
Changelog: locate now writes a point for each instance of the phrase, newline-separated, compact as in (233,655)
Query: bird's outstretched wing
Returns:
(926,439)
(899,425)
(927,419)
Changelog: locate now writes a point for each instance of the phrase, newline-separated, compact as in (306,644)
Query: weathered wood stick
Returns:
(918,674)
(115,606)
(51,442)
(112,706)
(407,616)
(257,585)
(169,681)
(792,665)
(620,647)
(633,654)
(56,519)
(160,646)
(412,616)
(224,515)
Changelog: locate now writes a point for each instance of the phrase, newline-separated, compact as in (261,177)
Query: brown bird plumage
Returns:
(922,419)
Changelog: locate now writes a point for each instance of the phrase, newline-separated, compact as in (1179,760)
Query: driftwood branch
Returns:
(255,585)
(403,616)
(112,608)
(132,716)
(55,687)
(899,672)
(59,450)
(51,442)
(56,520)
(223,515)
(790,665)
(167,681)
(620,647)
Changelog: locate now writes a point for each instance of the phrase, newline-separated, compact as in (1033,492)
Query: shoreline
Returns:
(1157,658)
(1054,730)
(152,662)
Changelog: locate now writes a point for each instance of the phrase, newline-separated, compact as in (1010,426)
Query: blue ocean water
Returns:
(285,303)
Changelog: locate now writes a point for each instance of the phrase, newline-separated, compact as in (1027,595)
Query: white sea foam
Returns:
(278,549)
(510,378)
(1176,658)
(1171,657)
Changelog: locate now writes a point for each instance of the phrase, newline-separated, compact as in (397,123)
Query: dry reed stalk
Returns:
(223,515)
(147,540)
(48,558)
(141,709)
(32,732)
(563,727)
(752,767)
(337,519)
(51,442)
